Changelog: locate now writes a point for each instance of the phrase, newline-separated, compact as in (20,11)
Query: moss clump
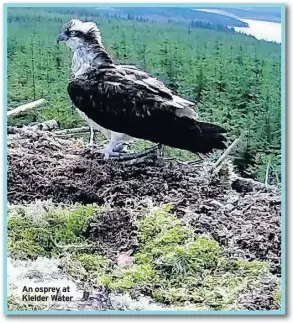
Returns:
(177,267)
(141,276)
(14,304)
(278,295)
(50,234)
(93,262)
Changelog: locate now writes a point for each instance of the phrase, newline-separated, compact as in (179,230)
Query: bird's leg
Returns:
(117,144)
(109,150)
(91,145)
(113,146)
(114,149)
(121,147)
(92,134)
(161,151)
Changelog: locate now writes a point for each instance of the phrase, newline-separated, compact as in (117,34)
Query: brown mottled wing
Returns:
(150,80)
(143,109)
(116,94)
(137,74)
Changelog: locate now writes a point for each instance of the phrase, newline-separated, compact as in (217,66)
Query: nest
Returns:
(246,220)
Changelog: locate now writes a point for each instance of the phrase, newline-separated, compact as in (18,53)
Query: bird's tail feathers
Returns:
(206,137)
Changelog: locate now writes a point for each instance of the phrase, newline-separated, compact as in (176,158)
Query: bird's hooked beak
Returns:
(62,37)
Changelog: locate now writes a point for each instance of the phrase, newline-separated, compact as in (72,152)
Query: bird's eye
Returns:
(75,33)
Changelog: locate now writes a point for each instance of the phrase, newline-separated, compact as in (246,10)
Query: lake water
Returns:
(270,31)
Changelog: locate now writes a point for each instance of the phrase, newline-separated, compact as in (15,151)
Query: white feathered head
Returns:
(77,32)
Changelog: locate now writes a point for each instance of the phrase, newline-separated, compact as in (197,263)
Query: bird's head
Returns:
(77,33)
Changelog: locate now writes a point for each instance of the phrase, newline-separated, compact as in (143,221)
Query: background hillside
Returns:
(235,79)
(223,16)
(183,15)
(267,14)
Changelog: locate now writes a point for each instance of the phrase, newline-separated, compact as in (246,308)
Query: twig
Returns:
(267,175)
(25,108)
(226,153)
(138,157)
(198,161)
(255,200)
(106,191)
(142,159)
(72,246)
(72,131)
(254,184)
(276,175)
(92,135)
(48,125)
(13,130)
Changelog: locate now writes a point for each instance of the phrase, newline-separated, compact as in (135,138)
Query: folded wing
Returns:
(130,101)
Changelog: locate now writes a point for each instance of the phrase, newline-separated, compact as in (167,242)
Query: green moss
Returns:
(183,269)
(243,266)
(93,263)
(278,296)
(50,234)
(213,291)
(191,258)
(158,222)
(139,276)
(15,304)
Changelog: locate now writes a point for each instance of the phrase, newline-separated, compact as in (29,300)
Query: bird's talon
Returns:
(111,154)
(121,147)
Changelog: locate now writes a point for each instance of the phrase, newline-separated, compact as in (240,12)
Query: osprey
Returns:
(128,102)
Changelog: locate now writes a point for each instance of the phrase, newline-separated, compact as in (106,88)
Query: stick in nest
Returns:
(267,175)
(72,131)
(71,246)
(25,108)
(226,153)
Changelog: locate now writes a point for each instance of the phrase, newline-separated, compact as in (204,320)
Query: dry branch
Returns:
(267,175)
(250,184)
(26,107)
(226,153)
(48,125)
(73,131)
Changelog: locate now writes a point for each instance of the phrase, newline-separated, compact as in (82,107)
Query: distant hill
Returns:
(218,16)
(185,15)
(272,14)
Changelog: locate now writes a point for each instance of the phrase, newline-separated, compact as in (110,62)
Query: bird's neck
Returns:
(88,56)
